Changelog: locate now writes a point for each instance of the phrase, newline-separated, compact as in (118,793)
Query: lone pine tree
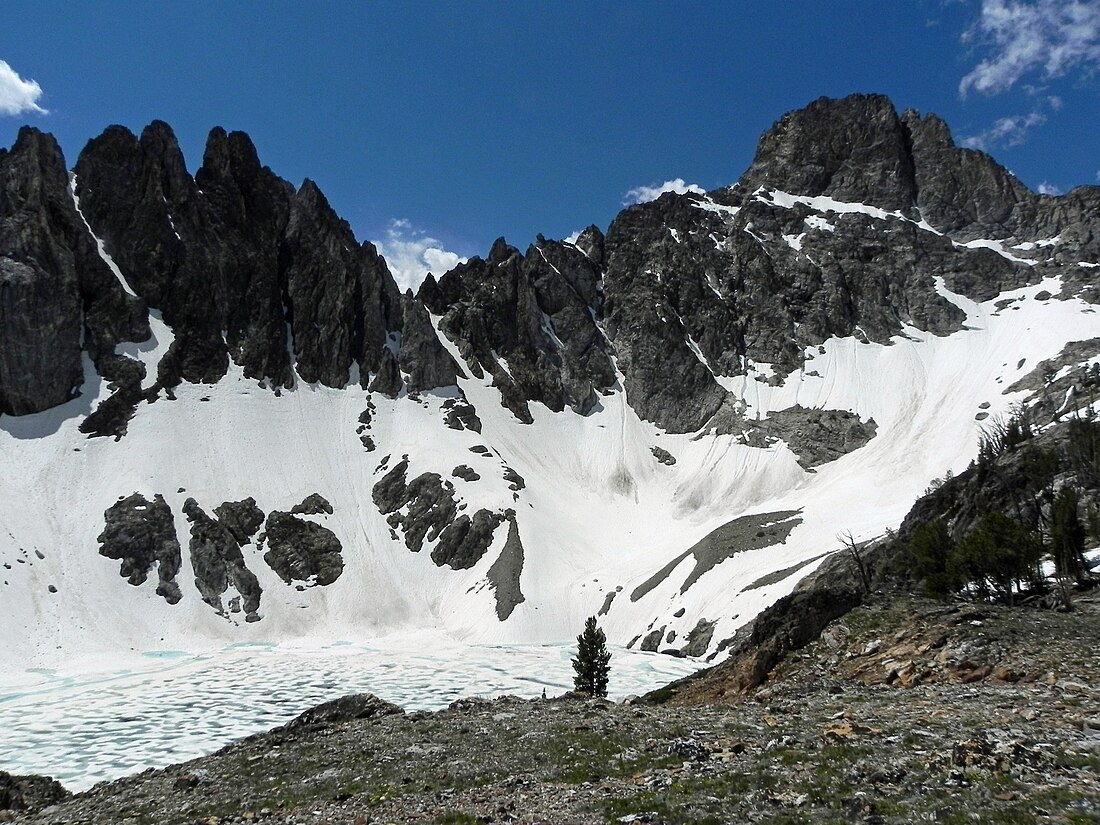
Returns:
(591,661)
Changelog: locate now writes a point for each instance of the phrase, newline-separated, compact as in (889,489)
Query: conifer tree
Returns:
(591,661)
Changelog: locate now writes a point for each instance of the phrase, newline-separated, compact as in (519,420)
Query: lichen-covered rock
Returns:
(218,563)
(141,534)
(302,551)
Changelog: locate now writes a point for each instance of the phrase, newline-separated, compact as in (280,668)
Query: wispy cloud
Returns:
(1050,37)
(1008,131)
(644,194)
(1049,189)
(16,94)
(411,254)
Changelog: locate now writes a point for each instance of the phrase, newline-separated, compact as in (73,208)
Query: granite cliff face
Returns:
(130,280)
(242,266)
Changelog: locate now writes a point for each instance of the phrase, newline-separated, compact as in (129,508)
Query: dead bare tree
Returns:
(852,549)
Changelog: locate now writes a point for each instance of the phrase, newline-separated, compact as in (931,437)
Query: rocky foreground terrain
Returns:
(903,710)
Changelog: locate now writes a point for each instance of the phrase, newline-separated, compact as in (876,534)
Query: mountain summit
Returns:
(208,385)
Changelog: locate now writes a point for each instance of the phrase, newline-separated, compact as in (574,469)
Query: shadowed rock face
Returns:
(50,273)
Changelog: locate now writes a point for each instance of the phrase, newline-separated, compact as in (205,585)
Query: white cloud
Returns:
(644,194)
(1052,37)
(411,254)
(576,235)
(1008,131)
(1049,189)
(16,94)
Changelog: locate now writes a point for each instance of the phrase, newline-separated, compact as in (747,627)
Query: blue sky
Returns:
(446,124)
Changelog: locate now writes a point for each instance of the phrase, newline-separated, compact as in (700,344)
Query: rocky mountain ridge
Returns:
(582,415)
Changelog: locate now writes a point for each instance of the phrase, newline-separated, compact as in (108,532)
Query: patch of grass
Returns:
(455,818)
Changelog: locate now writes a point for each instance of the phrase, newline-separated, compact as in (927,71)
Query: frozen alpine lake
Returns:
(165,707)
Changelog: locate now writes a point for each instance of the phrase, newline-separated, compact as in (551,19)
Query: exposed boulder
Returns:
(345,709)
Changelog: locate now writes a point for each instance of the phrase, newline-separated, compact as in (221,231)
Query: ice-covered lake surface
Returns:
(87,727)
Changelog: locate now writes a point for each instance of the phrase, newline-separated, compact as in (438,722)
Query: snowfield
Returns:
(599,512)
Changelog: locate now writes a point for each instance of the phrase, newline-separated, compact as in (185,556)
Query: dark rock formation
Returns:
(815,436)
(681,290)
(460,415)
(141,534)
(464,541)
(529,322)
(312,505)
(301,551)
(218,563)
(698,639)
(50,272)
(465,472)
(663,456)
(752,532)
(241,518)
(237,249)
(504,575)
(422,508)
(345,709)
(29,793)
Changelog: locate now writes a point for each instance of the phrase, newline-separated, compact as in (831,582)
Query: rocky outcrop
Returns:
(464,541)
(302,551)
(29,793)
(529,322)
(815,436)
(241,518)
(426,510)
(54,288)
(355,706)
(422,508)
(752,532)
(789,624)
(314,504)
(141,534)
(218,564)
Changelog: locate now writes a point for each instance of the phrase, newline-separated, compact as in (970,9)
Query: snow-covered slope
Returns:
(667,426)
(599,513)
